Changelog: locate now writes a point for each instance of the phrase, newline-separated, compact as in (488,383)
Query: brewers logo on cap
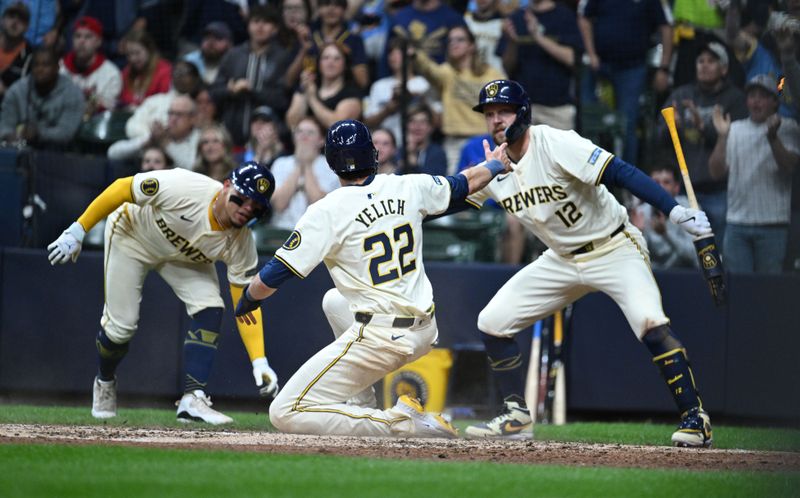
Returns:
(262,185)
(149,186)
(492,89)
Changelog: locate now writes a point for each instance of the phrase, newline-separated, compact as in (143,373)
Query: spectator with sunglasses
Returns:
(180,137)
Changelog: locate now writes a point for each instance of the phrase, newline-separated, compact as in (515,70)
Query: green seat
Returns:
(479,230)
(445,245)
(603,126)
(104,128)
(269,239)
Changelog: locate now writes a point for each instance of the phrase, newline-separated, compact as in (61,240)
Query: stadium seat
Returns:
(269,239)
(101,130)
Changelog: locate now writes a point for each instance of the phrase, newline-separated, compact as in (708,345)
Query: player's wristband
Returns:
(495,167)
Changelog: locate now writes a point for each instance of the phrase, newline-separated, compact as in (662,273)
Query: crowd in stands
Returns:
(206,84)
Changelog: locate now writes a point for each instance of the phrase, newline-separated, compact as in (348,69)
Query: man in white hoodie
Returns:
(85,64)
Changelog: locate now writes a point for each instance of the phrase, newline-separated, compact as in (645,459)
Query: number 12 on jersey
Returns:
(569,214)
(403,237)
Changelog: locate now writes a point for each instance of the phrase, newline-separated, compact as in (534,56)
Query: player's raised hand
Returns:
(265,376)
(67,246)
(499,154)
(692,220)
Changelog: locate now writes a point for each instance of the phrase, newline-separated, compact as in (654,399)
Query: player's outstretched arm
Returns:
(68,245)
(251,299)
(252,335)
(619,173)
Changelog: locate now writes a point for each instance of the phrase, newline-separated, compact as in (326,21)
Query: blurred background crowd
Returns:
(205,84)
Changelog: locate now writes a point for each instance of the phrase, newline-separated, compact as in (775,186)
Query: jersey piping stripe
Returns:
(351,415)
(603,170)
(472,203)
(290,267)
(296,406)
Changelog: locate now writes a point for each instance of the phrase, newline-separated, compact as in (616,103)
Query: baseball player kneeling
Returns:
(368,233)
(177,223)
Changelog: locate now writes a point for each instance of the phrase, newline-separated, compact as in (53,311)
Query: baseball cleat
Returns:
(694,430)
(104,398)
(513,422)
(196,407)
(425,424)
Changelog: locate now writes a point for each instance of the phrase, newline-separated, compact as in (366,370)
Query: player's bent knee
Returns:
(489,324)
(333,301)
(119,335)
(279,413)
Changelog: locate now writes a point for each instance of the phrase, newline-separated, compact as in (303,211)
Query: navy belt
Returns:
(398,322)
(591,246)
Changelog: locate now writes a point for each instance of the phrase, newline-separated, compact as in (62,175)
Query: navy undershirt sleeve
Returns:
(275,273)
(459,187)
(621,174)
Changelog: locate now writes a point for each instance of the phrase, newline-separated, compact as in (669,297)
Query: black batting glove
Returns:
(246,304)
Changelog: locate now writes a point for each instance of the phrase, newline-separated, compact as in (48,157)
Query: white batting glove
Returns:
(692,220)
(265,376)
(67,246)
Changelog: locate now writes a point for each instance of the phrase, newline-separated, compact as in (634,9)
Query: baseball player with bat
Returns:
(177,223)
(558,190)
(369,235)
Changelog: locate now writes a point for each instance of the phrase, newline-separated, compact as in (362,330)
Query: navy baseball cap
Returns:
(218,29)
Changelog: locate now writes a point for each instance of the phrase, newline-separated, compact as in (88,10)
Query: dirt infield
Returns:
(527,452)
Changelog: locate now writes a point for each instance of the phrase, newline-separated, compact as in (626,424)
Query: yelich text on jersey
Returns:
(377,210)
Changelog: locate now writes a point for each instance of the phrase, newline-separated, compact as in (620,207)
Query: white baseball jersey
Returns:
(172,219)
(555,190)
(370,237)
(170,228)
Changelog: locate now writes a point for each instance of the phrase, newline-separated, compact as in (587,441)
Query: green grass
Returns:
(725,437)
(88,471)
(46,470)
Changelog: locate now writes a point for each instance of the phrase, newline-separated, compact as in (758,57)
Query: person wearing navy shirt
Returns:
(331,27)
(426,24)
(616,34)
(542,59)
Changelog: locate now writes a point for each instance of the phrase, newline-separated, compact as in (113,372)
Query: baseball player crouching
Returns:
(368,233)
(177,223)
(558,190)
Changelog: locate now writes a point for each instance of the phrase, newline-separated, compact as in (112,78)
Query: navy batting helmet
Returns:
(349,149)
(254,181)
(508,92)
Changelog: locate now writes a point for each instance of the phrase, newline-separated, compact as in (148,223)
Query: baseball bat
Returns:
(560,399)
(706,246)
(532,380)
(544,373)
(555,365)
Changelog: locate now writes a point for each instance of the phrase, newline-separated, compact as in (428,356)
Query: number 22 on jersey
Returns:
(385,267)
